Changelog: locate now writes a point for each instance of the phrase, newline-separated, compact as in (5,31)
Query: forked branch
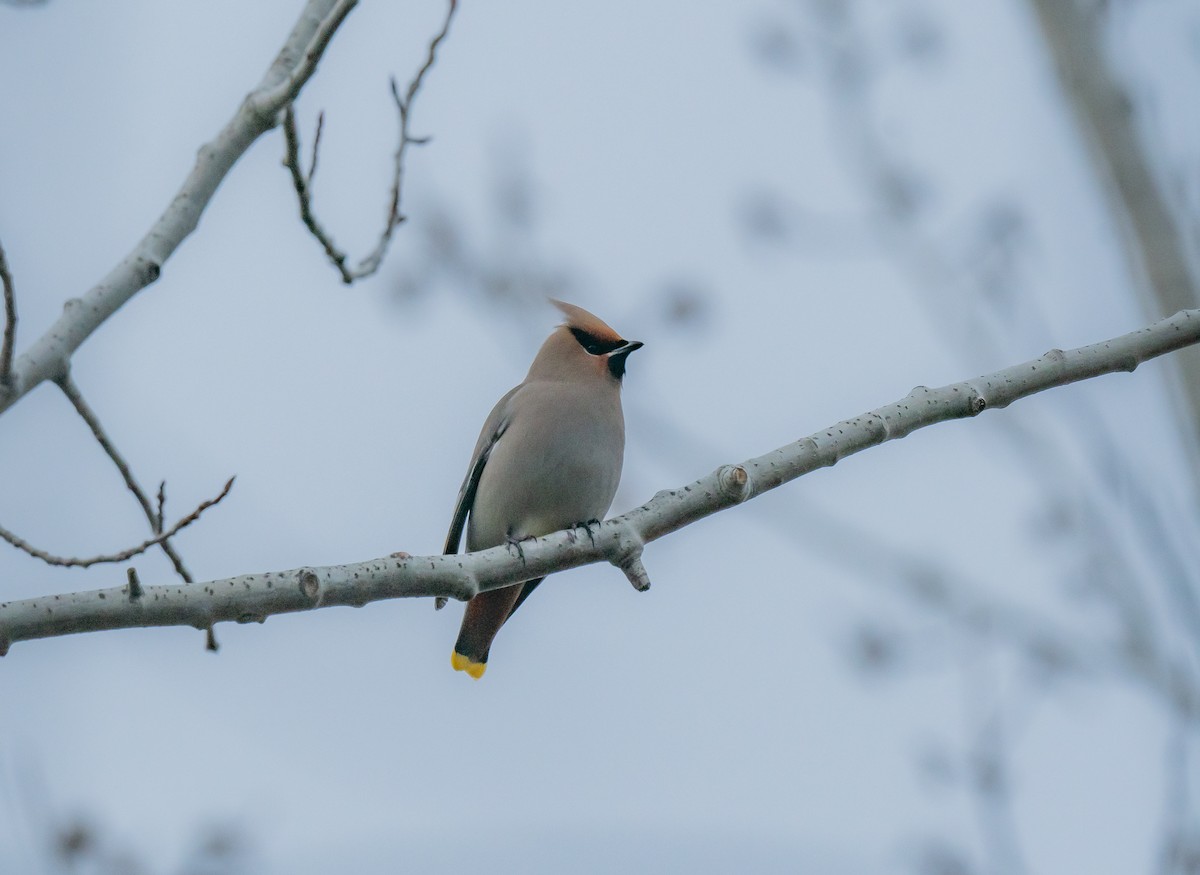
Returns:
(153,515)
(48,357)
(123,555)
(302,180)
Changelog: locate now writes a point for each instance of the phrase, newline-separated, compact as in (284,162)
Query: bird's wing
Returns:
(493,428)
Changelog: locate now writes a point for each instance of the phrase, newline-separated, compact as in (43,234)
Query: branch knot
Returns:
(135,585)
(628,557)
(734,482)
(310,585)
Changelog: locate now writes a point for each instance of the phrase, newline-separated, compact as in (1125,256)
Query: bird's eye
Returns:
(594,345)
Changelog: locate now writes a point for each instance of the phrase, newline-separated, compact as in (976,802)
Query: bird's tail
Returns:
(475,668)
(484,616)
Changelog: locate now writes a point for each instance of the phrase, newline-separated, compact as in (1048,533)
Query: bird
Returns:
(548,458)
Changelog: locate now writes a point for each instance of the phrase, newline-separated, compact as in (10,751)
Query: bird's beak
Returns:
(616,358)
(629,347)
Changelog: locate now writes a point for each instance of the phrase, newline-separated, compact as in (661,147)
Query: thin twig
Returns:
(152,515)
(10,322)
(157,522)
(431,57)
(70,562)
(316,149)
(302,181)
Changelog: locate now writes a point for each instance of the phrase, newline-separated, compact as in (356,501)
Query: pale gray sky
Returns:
(710,724)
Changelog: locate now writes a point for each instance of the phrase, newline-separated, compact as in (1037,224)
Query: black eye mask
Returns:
(594,345)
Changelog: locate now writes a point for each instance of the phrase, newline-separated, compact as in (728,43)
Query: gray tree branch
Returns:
(153,515)
(619,541)
(49,356)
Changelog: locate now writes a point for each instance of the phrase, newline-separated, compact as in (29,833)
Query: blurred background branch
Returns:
(1157,234)
(1135,546)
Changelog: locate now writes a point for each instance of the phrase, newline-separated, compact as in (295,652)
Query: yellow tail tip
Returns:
(470,666)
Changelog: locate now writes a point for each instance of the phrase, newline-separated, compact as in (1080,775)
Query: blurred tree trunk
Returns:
(1154,233)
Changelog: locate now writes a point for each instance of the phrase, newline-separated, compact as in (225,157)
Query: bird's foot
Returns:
(587,527)
(515,543)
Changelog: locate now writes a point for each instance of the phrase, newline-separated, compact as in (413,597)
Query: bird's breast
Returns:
(558,464)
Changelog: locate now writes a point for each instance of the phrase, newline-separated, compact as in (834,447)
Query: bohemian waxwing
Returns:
(548,458)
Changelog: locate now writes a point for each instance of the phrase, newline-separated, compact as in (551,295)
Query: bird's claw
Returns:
(587,527)
(516,543)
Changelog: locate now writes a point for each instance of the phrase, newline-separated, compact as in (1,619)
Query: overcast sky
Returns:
(712,724)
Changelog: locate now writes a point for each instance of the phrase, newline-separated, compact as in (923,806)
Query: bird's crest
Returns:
(579,318)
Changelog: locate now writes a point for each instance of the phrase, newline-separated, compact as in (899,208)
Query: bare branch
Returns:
(302,181)
(49,356)
(620,540)
(161,499)
(297,61)
(10,323)
(951,592)
(415,85)
(153,515)
(129,553)
(316,149)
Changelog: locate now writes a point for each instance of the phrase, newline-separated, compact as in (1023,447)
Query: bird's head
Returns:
(584,346)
